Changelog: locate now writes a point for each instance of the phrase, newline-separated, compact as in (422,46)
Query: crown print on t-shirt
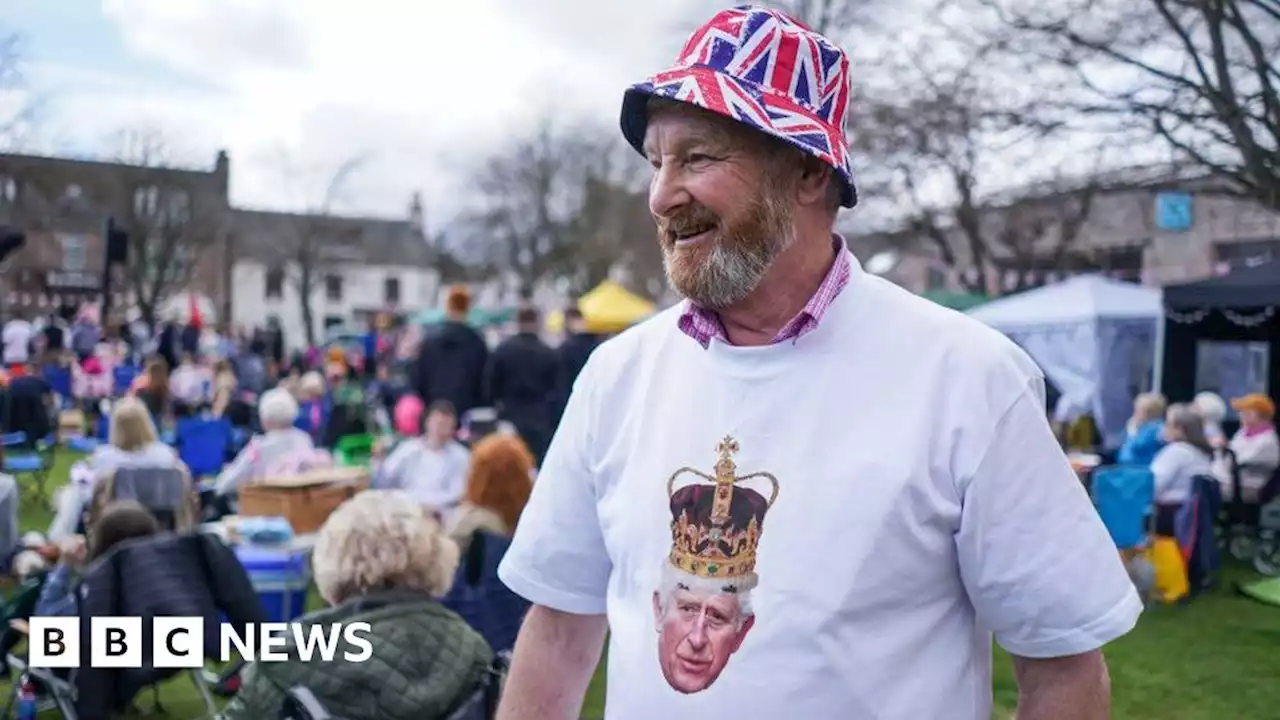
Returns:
(702,609)
(716,527)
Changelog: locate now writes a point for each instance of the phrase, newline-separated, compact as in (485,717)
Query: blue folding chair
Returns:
(122,378)
(1124,495)
(202,444)
(59,379)
(22,457)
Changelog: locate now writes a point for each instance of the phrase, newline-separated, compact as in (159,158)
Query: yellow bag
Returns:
(1171,572)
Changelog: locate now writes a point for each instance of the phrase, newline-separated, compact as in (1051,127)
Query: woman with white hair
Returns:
(279,441)
(381,559)
(1213,409)
(132,442)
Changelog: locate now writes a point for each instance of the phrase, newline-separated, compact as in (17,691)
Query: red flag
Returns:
(196,320)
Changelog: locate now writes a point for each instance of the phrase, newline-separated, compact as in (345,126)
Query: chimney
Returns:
(222,171)
(417,215)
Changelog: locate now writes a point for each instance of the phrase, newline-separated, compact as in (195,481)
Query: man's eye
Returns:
(692,158)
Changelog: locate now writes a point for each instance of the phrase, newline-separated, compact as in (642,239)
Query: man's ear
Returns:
(813,186)
(742,634)
(657,610)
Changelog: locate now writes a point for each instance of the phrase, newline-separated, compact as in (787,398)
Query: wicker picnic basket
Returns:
(305,500)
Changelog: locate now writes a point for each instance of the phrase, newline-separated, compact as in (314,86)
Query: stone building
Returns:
(1156,233)
(63,205)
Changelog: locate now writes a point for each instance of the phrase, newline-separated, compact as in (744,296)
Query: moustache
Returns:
(683,223)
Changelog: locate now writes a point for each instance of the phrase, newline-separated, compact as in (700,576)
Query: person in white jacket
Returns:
(1255,445)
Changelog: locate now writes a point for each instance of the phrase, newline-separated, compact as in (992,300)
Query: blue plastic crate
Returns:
(281,578)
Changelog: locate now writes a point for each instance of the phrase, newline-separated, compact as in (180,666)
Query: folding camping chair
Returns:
(1124,495)
(202,444)
(302,704)
(59,688)
(25,457)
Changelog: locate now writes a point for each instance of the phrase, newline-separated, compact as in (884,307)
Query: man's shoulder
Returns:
(957,341)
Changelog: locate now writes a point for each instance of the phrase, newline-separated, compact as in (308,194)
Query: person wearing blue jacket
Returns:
(1144,434)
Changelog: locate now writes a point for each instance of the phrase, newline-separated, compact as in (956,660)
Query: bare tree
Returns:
(308,248)
(17,109)
(171,222)
(951,151)
(1197,76)
(548,208)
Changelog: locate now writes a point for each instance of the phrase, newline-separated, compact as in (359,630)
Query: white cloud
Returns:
(418,89)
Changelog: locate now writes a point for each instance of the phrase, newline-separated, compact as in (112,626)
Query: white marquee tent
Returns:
(1094,337)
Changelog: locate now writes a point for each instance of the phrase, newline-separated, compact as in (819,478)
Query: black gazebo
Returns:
(1242,306)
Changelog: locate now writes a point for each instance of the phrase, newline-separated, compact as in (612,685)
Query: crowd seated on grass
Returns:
(384,559)
(1213,409)
(1185,456)
(498,486)
(1143,438)
(433,467)
(121,520)
(1255,446)
(280,448)
(132,442)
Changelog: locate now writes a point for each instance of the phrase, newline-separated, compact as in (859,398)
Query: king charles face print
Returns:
(702,608)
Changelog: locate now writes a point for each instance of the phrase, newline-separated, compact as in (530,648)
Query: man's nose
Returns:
(698,633)
(666,191)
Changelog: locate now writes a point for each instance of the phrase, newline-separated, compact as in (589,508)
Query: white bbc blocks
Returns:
(54,642)
(115,642)
(178,642)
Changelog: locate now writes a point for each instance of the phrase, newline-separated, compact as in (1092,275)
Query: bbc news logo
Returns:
(178,642)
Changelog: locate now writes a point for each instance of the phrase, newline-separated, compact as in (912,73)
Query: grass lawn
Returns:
(1215,659)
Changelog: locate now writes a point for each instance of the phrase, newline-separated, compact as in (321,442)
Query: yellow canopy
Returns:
(609,308)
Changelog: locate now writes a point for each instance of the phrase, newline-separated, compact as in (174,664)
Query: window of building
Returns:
(275,283)
(177,206)
(74,252)
(333,321)
(8,189)
(1234,255)
(146,200)
(333,288)
(391,290)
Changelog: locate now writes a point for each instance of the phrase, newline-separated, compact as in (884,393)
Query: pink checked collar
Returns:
(704,325)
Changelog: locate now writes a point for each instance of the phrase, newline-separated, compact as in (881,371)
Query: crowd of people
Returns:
(460,428)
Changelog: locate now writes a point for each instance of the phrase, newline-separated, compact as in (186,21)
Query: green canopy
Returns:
(955,300)
(478,317)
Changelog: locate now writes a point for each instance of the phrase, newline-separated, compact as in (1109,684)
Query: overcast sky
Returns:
(292,89)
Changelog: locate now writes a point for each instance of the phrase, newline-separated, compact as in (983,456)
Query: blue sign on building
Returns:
(1174,211)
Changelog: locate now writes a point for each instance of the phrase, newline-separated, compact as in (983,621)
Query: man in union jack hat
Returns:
(887,496)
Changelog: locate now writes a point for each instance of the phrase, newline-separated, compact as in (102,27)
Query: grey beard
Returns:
(729,275)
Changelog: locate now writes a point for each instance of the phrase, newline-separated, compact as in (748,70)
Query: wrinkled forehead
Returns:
(720,601)
(673,125)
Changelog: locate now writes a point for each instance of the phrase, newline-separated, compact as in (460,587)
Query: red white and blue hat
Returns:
(764,69)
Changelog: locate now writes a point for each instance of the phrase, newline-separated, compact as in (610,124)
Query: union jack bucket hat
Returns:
(763,69)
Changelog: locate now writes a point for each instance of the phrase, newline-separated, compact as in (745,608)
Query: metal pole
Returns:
(1157,371)
(106,269)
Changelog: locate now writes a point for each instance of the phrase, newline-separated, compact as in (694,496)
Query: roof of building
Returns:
(271,237)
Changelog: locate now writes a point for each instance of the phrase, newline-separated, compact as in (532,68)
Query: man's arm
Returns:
(555,656)
(1076,687)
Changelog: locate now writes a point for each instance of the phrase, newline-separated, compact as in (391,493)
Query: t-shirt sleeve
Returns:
(558,557)
(1039,566)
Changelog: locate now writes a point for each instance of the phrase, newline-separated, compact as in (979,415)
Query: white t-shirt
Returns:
(1175,468)
(922,504)
(17,341)
(436,478)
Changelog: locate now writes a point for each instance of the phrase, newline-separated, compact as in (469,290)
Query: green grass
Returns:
(1215,659)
